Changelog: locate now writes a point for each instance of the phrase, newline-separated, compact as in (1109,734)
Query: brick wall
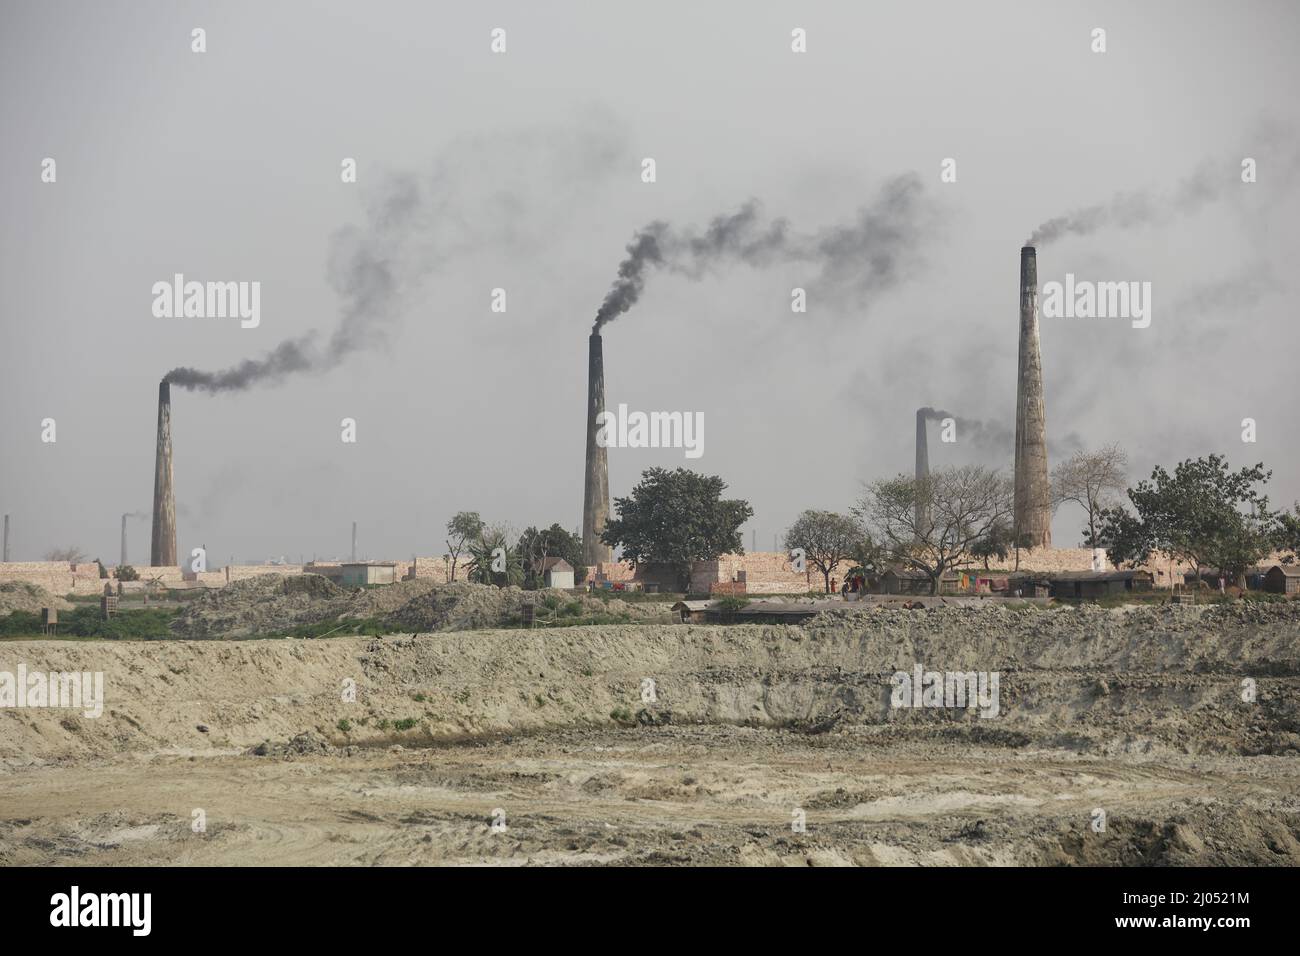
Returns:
(434,568)
(57,577)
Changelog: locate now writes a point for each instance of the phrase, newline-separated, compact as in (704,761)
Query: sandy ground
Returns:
(706,795)
(1137,714)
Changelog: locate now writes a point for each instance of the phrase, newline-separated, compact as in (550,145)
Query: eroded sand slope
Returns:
(1137,713)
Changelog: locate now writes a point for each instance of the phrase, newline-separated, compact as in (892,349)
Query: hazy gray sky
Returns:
(522,171)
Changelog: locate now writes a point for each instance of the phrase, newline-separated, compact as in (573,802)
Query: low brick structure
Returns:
(436,569)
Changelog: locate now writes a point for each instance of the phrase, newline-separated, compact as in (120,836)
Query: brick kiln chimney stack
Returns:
(122,560)
(162,549)
(1033,508)
(595,494)
(922,466)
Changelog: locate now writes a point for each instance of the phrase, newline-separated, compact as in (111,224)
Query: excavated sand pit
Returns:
(1140,714)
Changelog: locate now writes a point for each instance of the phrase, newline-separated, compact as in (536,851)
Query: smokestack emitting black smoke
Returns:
(866,255)
(365,282)
(162,546)
(1033,509)
(595,483)
(923,415)
(481,191)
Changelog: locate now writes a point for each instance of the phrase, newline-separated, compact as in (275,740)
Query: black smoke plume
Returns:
(863,257)
(1141,207)
(508,191)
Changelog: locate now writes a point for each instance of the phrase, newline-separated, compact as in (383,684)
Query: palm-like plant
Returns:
(493,549)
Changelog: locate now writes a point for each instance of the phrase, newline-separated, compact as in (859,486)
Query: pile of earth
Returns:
(1201,638)
(464,607)
(275,604)
(268,604)
(21,596)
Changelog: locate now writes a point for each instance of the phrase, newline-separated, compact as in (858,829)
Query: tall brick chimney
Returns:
(595,493)
(1033,506)
(162,548)
(922,466)
(122,561)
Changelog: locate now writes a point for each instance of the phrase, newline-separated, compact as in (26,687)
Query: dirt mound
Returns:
(21,596)
(459,607)
(276,604)
(268,604)
(675,744)
(1257,636)
(465,607)
(383,601)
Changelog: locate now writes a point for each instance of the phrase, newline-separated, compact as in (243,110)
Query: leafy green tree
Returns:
(494,559)
(826,539)
(1288,534)
(1202,514)
(1001,542)
(125,572)
(553,542)
(932,524)
(462,529)
(677,518)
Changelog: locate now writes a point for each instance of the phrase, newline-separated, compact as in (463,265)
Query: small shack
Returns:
(555,572)
(1283,579)
(1210,578)
(1029,584)
(367,573)
(691,612)
(332,572)
(1090,585)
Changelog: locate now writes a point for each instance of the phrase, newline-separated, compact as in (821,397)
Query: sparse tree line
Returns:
(494,555)
(1202,513)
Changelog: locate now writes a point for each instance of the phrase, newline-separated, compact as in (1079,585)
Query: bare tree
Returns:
(1092,479)
(826,538)
(959,508)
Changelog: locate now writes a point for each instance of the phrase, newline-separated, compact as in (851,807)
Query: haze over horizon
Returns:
(479,171)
